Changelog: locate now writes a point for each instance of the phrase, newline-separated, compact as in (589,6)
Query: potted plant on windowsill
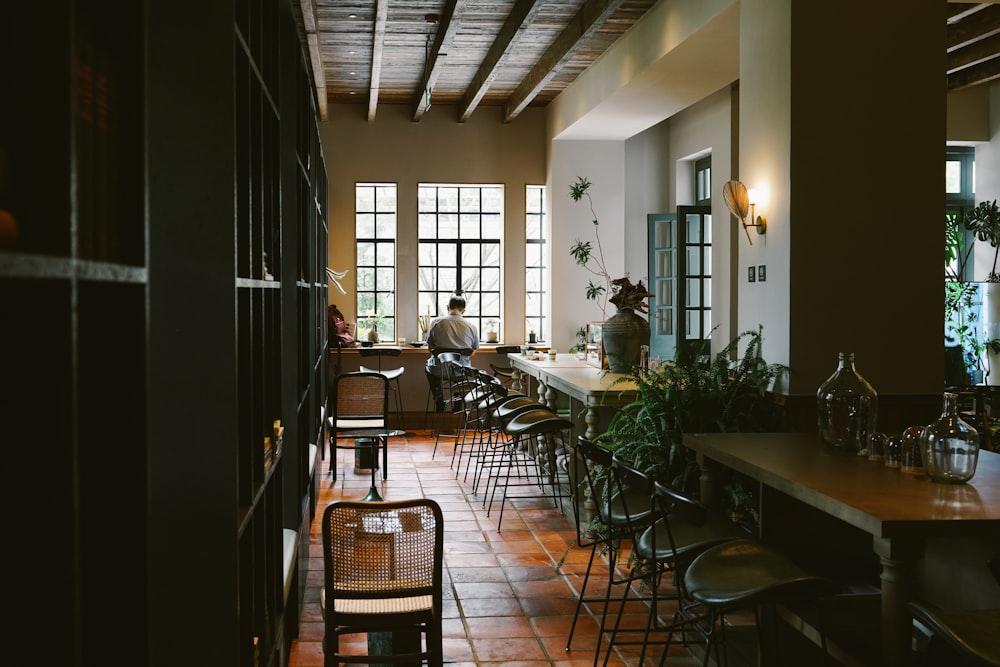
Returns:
(625,332)
(372,322)
(491,331)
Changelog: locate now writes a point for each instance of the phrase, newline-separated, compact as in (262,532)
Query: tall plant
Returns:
(696,394)
(960,318)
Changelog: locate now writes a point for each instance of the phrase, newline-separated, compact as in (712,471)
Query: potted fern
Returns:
(695,393)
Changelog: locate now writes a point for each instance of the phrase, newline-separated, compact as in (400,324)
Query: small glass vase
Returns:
(847,408)
(951,446)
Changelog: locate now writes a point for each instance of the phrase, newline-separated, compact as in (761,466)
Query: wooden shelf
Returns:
(147,353)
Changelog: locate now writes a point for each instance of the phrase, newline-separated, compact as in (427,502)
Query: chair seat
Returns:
(389,373)
(379,606)
(541,420)
(745,571)
(973,632)
(689,540)
(350,424)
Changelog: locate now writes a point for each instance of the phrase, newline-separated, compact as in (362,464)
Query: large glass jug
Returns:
(847,408)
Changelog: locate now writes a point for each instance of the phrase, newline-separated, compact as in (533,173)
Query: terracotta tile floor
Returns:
(509,596)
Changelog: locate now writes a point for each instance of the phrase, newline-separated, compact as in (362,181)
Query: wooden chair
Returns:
(360,401)
(382,575)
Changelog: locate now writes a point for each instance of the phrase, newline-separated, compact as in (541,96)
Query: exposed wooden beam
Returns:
(447,27)
(522,14)
(973,27)
(975,75)
(315,58)
(590,17)
(974,53)
(378,44)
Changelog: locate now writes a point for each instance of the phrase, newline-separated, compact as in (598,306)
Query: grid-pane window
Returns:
(460,230)
(375,229)
(703,181)
(534,263)
(696,227)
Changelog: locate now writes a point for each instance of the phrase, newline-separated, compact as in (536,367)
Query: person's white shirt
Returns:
(451,332)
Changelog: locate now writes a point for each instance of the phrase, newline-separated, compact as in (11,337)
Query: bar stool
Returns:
(611,522)
(531,456)
(973,634)
(677,530)
(504,372)
(391,374)
(744,574)
(501,410)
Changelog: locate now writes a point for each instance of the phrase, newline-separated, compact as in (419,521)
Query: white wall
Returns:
(603,164)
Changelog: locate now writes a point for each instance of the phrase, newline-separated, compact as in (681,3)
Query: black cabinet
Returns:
(162,254)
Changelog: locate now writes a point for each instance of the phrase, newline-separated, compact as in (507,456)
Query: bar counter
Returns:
(930,539)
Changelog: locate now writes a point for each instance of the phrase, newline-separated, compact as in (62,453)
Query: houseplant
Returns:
(372,322)
(624,332)
(961,315)
(491,330)
(692,395)
(984,221)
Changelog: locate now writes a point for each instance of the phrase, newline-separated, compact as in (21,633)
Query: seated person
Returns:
(446,333)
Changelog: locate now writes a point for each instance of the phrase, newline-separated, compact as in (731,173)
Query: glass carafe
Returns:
(951,446)
(847,408)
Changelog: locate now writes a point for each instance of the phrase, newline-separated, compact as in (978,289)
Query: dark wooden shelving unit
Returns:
(164,327)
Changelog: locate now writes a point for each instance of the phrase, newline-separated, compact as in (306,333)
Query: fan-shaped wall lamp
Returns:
(740,201)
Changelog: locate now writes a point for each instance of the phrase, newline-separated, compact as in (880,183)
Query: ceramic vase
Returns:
(624,334)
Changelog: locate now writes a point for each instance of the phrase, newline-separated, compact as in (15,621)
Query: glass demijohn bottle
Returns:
(847,408)
(951,445)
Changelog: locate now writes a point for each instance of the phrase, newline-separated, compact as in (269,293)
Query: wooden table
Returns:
(900,512)
(588,385)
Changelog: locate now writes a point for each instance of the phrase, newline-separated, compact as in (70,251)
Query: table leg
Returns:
(593,420)
(547,395)
(373,494)
(711,493)
(517,380)
(899,581)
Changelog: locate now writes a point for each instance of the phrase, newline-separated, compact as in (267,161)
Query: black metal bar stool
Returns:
(531,457)
(745,574)
(391,374)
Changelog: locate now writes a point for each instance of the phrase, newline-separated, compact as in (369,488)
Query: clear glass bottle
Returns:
(847,408)
(951,445)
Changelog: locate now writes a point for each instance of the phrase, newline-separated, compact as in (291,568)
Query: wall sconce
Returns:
(742,202)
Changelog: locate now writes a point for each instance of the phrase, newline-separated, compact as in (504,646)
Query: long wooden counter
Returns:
(904,516)
(586,387)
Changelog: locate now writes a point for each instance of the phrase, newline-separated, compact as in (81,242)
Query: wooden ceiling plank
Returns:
(308,8)
(447,28)
(521,16)
(378,44)
(590,17)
